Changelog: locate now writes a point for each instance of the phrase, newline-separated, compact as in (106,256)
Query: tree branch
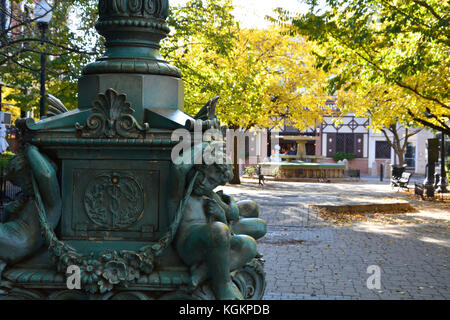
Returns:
(25,40)
(429,8)
(429,124)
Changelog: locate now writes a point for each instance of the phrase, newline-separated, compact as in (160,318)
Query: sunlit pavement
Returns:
(309,258)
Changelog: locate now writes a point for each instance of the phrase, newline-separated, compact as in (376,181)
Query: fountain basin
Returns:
(299,169)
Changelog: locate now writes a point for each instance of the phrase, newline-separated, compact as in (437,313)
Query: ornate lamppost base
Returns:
(24,283)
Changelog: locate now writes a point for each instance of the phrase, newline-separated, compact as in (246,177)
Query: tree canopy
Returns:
(393,56)
(260,75)
(71,43)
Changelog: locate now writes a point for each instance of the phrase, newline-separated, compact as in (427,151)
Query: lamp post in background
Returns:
(43,15)
(442,185)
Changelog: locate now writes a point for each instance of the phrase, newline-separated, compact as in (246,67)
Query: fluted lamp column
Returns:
(42,15)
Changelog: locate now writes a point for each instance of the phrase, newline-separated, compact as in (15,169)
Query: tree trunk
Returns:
(401,158)
(396,144)
(236,178)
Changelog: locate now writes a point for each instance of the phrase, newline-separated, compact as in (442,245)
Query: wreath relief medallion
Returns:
(114,201)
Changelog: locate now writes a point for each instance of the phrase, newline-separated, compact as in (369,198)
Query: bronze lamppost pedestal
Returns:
(106,212)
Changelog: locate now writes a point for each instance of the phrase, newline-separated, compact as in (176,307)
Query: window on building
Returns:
(410,155)
(345,142)
(310,147)
(382,150)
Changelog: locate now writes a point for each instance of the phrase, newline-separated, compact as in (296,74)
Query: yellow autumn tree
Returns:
(296,86)
(393,54)
(262,77)
(10,105)
(385,106)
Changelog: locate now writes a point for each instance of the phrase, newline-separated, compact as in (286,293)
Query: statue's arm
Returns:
(45,176)
(233,209)
(213,209)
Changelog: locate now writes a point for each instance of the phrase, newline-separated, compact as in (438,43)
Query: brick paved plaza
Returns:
(310,258)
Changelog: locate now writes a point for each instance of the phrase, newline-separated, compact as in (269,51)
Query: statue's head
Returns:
(19,173)
(211,176)
(214,171)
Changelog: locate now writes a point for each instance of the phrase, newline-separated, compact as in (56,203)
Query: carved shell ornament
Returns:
(112,116)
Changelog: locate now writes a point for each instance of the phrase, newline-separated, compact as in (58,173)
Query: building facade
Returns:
(351,134)
(371,149)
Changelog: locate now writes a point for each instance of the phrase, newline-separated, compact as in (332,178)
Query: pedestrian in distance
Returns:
(260,175)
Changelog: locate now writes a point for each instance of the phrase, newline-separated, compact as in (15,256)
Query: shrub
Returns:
(249,171)
(8,155)
(343,155)
(277,173)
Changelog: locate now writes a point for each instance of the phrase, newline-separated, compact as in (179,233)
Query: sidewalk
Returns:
(308,257)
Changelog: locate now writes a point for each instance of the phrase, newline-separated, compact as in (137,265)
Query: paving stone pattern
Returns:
(307,258)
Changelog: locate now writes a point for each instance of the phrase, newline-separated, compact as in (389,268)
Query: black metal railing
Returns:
(8,192)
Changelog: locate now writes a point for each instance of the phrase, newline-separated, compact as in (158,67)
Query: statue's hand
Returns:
(226,198)
(213,209)
(232,211)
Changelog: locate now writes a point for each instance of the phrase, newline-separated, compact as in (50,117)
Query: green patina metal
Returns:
(101,192)
(133,30)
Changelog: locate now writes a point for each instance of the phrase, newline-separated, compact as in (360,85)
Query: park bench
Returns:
(402,181)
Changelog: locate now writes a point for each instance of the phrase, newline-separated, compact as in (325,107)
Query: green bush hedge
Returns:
(249,171)
(343,155)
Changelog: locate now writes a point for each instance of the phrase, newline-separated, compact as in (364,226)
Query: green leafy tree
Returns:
(262,76)
(71,43)
(399,47)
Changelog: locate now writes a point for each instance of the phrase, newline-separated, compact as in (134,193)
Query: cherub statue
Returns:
(20,234)
(213,239)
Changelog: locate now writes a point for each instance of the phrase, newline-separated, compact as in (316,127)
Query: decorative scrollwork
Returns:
(250,279)
(150,7)
(112,116)
(118,6)
(134,8)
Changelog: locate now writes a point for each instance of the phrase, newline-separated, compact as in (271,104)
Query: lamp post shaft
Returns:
(443,183)
(43,28)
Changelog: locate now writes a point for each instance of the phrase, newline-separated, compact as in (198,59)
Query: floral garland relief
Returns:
(100,275)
